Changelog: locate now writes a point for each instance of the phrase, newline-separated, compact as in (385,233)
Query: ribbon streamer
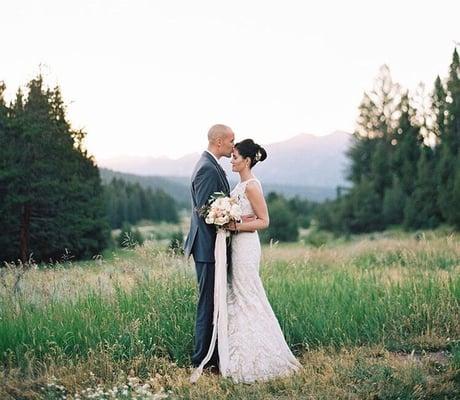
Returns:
(220,317)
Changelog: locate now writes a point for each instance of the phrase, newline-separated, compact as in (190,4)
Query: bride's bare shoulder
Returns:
(253,187)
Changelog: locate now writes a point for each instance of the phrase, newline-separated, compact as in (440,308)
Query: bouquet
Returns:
(221,209)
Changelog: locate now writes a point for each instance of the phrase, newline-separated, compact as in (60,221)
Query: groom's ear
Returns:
(220,143)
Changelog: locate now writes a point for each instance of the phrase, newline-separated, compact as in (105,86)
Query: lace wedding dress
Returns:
(257,349)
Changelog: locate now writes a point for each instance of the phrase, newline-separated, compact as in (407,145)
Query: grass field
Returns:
(377,317)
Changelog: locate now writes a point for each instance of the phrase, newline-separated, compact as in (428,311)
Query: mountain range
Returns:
(304,160)
(306,165)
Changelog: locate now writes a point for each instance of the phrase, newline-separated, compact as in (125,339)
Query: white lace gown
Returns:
(257,349)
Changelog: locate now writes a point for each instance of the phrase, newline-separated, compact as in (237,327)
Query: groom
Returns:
(208,177)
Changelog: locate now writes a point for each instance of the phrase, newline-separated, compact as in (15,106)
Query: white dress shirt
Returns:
(215,158)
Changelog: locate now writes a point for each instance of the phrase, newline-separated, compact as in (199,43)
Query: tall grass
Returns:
(348,308)
(400,295)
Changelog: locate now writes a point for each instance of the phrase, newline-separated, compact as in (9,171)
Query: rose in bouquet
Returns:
(221,210)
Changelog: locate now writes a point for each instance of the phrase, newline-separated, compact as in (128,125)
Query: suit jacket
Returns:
(208,177)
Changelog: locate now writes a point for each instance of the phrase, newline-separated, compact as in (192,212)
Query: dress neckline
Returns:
(248,180)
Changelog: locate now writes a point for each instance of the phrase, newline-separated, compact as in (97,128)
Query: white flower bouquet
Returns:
(221,209)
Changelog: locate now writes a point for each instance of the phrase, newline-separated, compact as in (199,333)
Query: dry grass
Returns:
(356,373)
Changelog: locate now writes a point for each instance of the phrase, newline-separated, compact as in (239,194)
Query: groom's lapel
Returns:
(219,169)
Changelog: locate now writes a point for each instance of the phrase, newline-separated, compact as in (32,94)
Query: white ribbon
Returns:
(220,317)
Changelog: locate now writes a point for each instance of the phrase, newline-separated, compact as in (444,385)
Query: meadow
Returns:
(372,317)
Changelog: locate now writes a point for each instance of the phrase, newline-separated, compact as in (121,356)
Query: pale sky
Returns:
(150,77)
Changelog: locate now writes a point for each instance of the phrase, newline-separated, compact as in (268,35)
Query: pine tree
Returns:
(394,201)
(362,146)
(9,224)
(381,168)
(421,210)
(371,154)
(57,195)
(438,108)
(378,113)
(367,208)
(407,142)
(453,105)
(450,144)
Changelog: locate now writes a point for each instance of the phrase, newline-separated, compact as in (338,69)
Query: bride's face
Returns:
(239,163)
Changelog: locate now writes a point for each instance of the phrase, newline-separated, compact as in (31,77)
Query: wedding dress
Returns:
(257,349)
(250,342)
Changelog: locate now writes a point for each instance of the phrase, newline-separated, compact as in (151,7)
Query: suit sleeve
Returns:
(206,183)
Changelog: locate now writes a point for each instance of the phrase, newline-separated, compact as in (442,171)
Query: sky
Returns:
(148,78)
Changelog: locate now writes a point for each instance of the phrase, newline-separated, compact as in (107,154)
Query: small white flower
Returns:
(235,212)
(222,220)
(226,206)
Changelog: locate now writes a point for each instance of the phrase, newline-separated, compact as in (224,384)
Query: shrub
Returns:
(129,237)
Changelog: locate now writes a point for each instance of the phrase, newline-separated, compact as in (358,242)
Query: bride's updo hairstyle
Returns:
(247,148)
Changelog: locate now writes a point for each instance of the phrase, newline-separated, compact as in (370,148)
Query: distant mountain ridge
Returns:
(302,161)
(307,160)
(152,166)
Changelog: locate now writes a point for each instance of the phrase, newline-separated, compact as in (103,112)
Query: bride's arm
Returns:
(257,200)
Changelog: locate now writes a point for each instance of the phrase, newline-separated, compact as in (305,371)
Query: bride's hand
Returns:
(248,218)
(231,226)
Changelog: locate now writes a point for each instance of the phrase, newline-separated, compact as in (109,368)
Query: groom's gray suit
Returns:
(208,177)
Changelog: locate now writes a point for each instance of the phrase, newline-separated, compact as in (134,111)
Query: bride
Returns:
(256,346)
(251,345)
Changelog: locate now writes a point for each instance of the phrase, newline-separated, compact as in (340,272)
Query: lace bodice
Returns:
(239,191)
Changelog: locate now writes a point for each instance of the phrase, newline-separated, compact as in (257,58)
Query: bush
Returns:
(284,225)
(318,238)
(176,245)
(129,238)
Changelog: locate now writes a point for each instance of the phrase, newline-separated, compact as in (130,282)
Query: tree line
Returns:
(286,217)
(130,202)
(404,159)
(52,201)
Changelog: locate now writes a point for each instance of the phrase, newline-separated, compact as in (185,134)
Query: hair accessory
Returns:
(258,155)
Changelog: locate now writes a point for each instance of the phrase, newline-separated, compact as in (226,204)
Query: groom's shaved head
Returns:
(217,131)
(221,140)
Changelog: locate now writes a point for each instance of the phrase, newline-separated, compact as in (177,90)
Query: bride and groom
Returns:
(236,331)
